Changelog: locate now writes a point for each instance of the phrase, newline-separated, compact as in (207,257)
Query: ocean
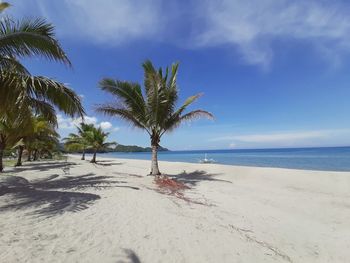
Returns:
(324,159)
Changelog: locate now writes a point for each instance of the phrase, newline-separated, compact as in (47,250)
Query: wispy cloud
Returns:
(252,26)
(282,139)
(107,21)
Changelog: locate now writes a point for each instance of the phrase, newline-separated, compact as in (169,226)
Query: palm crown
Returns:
(28,38)
(154,110)
(88,137)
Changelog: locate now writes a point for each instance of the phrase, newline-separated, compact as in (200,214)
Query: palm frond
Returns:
(64,98)
(44,109)
(124,114)
(128,93)
(196,114)
(30,37)
(13,64)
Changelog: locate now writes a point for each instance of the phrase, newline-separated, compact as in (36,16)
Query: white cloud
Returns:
(252,26)
(107,21)
(71,124)
(284,139)
(105,125)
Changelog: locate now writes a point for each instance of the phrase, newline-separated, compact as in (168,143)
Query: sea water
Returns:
(326,158)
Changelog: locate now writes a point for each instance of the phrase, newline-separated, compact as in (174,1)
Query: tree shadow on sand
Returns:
(49,196)
(131,257)
(104,163)
(44,166)
(193,178)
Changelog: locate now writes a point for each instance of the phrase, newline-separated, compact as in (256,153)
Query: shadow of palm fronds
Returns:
(195,177)
(131,257)
(49,196)
(43,166)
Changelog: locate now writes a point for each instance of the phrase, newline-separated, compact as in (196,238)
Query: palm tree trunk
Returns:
(93,160)
(2,148)
(29,156)
(83,157)
(35,155)
(154,168)
(20,152)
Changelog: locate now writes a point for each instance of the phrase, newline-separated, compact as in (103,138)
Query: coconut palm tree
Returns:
(9,131)
(96,139)
(37,135)
(18,89)
(154,110)
(34,133)
(78,142)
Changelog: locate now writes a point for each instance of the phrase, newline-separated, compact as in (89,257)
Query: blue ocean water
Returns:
(326,159)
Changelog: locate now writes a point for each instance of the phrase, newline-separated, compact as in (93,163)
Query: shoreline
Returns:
(113,212)
(100,156)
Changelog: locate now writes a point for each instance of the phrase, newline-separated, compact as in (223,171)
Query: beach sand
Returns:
(112,212)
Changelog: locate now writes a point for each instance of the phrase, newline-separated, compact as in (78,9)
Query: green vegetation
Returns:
(25,97)
(134,148)
(89,138)
(155,110)
(28,103)
(78,142)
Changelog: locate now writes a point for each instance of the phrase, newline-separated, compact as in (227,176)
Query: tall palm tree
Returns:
(96,139)
(18,89)
(155,110)
(78,142)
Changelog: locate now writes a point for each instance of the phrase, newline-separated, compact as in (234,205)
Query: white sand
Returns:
(252,215)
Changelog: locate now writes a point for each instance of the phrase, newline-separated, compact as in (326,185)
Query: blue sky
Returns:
(274,73)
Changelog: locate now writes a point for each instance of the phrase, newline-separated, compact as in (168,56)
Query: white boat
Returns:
(206,160)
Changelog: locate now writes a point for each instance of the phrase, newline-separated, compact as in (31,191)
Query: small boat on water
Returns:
(206,160)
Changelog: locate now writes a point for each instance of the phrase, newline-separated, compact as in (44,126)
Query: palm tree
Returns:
(96,139)
(9,131)
(28,38)
(155,110)
(78,142)
(34,133)
(38,136)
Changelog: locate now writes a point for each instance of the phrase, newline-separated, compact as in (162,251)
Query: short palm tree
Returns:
(78,142)
(34,133)
(96,139)
(39,137)
(10,129)
(154,110)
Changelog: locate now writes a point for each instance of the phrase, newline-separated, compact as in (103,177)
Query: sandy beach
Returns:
(75,211)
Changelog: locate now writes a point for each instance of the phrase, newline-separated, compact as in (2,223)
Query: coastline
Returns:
(314,162)
(113,212)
